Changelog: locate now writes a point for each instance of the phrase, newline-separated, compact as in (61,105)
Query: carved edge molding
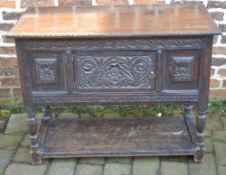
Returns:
(116,44)
(112,99)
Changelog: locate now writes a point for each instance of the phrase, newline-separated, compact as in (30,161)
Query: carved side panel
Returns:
(113,72)
(46,70)
(182,69)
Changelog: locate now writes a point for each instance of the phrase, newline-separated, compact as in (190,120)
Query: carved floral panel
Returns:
(46,70)
(182,68)
(116,71)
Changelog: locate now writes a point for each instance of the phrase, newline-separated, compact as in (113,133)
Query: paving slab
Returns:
(219,135)
(17,124)
(207,133)
(213,121)
(223,119)
(206,168)
(173,168)
(61,167)
(83,169)
(9,141)
(145,166)
(221,170)
(119,160)
(117,169)
(5,157)
(26,141)
(220,152)
(22,155)
(92,160)
(25,169)
(208,144)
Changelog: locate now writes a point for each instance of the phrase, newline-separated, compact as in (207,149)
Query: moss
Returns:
(215,105)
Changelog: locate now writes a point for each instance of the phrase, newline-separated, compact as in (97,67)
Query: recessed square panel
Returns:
(46,70)
(181,70)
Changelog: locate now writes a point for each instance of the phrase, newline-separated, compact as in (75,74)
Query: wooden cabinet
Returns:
(115,61)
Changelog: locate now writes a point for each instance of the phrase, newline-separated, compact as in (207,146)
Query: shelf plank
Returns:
(117,137)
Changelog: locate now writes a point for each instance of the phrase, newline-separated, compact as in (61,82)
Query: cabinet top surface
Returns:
(115,21)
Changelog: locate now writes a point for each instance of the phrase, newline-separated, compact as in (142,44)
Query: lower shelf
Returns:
(116,137)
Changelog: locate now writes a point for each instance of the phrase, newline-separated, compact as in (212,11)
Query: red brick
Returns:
(214,83)
(216,4)
(17,93)
(4,92)
(223,39)
(8,62)
(111,2)
(215,38)
(224,83)
(212,71)
(222,72)
(149,1)
(11,15)
(218,61)
(217,93)
(8,40)
(32,3)
(7,50)
(7,4)
(10,81)
(217,16)
(5,26)
(9,71)
(219,50)
(74,2)
(222,27)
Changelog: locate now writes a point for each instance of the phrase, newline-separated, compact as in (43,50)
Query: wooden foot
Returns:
(199,153)
(35,158)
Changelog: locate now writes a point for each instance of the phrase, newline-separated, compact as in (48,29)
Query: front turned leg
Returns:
(33,133)
(200,127)
(46,114)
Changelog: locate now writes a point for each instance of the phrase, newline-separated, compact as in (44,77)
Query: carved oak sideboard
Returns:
(115,55)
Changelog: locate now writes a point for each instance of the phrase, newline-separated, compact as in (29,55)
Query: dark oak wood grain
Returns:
(117,137)
(119,21)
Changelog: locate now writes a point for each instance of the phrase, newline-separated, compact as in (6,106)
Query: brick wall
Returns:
(11,10)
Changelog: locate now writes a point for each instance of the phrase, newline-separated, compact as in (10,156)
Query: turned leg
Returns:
(46,114)
(200,127)
(188,113)
(33,133)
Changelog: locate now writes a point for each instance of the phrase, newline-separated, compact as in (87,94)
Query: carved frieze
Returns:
(117,44)
(113,98)
(46,70)
(116,71)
